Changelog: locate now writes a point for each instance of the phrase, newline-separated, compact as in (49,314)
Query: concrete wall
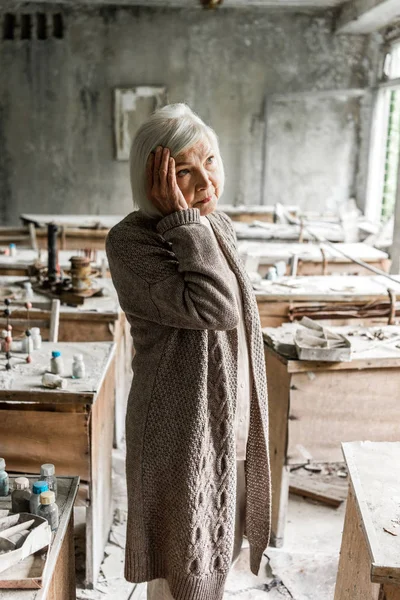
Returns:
(56,124)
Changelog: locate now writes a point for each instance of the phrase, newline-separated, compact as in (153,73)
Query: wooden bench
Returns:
(99,319)
(315,259)
(315,406)
(72,428)
(333,299)
(59,576)
(369,565)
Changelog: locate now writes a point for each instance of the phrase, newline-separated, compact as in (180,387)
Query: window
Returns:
(30,26)
(385,142)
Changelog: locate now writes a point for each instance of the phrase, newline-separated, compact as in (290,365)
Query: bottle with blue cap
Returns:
(56,363)
(12,249)
(37,488)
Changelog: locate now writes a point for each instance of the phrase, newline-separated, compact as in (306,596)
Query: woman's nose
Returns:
(203,181)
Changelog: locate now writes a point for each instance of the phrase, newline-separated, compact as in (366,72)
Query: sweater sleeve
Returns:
(186,288)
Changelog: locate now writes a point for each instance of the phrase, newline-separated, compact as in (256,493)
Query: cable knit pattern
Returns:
(181,464)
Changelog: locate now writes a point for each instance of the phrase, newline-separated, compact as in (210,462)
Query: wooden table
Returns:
(25,259)
(75,231)
(314,406)
(311,260)
(369,566)
(286,232)
(256,212)
(99,319)
(331,299)
(59,577)
(72,428)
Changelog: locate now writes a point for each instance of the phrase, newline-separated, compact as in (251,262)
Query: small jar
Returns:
(21,495)
(28,290)
(4,480)
(56,363)
(78,367)
(12,249)
(48,509)
(47,474)
(17,346)
(27,344)
(36,338)
(38,488)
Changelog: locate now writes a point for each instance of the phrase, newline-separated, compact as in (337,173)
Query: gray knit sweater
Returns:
(181,468)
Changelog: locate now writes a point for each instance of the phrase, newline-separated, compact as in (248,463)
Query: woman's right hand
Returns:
(162,188)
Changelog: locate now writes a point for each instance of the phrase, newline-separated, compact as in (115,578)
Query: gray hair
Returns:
(174,126)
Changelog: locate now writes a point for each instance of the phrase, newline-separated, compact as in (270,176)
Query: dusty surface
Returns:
(304,569)
(28,377)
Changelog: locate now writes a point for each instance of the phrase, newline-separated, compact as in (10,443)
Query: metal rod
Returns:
(52,251)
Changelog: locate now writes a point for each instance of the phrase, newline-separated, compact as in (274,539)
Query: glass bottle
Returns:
(78,367)
(21,495)
(56,363)
(38,488)
(4,480)
(48,509)
(47,474)
(36,338)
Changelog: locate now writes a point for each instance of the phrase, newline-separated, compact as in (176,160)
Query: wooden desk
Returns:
(99,319)
(26,259)
(369,566)
(331,299)
(285,232)
(76,427)
(315,406)
(248,214)
(311,260)
(75,231)
(59,576)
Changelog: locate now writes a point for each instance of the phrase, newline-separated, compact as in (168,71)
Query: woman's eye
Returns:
(183,172)
(210,160)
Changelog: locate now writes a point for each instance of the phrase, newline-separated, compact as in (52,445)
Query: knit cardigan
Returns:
(172,283)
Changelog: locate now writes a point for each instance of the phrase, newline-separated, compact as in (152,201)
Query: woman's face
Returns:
(199,176)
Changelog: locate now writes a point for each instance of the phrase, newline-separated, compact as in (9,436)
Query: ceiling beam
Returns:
(367,16)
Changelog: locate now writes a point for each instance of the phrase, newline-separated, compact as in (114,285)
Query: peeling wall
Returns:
(56,113)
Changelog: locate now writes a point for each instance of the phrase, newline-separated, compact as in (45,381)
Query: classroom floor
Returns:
(303,569)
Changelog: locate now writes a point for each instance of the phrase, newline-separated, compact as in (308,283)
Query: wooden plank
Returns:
(328,408)
(309,487)
(62,585)
(29,438)
(374,474)
(296,366)
(390,592)
(353,579)
(278,406)
(95,222)
(100,510)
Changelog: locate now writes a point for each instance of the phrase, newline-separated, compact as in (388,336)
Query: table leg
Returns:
(354,574)
(278,402)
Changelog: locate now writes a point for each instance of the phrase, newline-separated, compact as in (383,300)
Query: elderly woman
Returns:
(197,422)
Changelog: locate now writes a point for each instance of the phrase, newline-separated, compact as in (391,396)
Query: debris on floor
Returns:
(304,569)
(322,482)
